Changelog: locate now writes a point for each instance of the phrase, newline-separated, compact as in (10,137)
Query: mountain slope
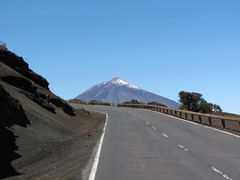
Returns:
(40,134)
(118,91)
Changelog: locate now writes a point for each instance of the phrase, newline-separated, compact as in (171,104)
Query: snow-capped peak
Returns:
(121,82)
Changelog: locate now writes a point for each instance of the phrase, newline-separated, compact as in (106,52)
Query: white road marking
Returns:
(147,123)
(165,135)
(221,173)
(154,127)
(181,146)
(97,156)
(202,125)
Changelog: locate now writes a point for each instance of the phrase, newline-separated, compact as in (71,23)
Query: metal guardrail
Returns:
(225,122)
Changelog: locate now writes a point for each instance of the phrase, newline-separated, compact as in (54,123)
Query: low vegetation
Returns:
(136,102)
(153,103)
(77,101)
(133,101)
(95,102)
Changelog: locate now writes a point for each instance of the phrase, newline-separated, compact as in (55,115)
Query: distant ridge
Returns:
(118,90)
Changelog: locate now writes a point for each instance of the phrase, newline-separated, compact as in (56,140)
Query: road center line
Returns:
(197,124)
(181,146)
(165,135)
(97,156)
(221,173)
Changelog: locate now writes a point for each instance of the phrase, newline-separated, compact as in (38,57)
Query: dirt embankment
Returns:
(41,136)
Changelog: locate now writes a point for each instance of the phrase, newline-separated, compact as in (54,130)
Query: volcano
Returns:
(118,90)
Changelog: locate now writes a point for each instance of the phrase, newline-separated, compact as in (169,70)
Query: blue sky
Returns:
(163,46)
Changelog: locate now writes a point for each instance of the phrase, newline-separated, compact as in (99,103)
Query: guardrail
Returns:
(224,122)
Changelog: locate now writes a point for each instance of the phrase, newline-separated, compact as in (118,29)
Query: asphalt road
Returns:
(144,145)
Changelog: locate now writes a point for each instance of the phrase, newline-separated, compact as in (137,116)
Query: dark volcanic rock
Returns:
(29,83)
(62,104)
(20,83)
(33,94)
(41,102)
(32,139)
(11,112)
(18,64)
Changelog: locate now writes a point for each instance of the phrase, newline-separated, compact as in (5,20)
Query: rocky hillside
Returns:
(35,124)
(15,72)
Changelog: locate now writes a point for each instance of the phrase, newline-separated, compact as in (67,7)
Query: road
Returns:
(144,145)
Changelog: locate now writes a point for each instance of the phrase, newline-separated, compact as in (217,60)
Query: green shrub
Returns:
(95,102)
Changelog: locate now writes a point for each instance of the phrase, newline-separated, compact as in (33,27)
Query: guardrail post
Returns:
(210,121)
(192,117)
(223,123)
(200,119)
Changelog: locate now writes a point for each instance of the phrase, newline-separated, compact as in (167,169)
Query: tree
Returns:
(190,101)
(195,102)
(216,108)
(205,107)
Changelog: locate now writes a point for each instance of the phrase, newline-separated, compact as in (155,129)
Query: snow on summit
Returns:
(120,82)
